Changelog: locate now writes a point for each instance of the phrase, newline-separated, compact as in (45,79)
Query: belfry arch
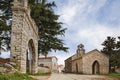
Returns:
(24,38)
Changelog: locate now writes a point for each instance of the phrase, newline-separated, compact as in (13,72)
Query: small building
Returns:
(93,62)
(48,62)
(60,68)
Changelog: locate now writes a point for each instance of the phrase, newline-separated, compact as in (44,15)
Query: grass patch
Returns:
(15,76)
(117,75)
(42,74)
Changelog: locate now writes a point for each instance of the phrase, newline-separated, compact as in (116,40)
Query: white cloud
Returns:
(96,35)
(84,26)
(5,54)
(68,12)
(79,9)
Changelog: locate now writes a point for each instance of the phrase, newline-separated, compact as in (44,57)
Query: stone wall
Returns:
(93,56)
(43,70)
(77,63)
(68,65)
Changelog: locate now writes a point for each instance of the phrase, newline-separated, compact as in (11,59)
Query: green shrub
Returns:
(15,76)
(42,74)
(117,75)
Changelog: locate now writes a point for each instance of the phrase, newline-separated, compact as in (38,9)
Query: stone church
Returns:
(93,62)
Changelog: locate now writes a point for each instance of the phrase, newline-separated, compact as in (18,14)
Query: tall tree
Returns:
(112,49)
(5,16)
(42,12)
(109,46)
(118,53)
(49,27)
(118,44)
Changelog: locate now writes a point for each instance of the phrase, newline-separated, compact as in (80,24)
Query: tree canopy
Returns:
(109,45)
(50,29)
(112,49)
(5,16)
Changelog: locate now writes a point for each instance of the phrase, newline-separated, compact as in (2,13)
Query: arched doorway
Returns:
(30,58)
(95,67)
(76,68)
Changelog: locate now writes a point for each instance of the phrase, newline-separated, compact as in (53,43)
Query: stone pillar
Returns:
(16,35)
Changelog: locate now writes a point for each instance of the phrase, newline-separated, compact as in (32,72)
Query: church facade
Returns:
(93,62)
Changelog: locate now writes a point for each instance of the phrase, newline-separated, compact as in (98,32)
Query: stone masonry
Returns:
(93,56)
(24,36)
(93,62)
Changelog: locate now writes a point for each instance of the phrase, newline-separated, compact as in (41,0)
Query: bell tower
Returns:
(80,51)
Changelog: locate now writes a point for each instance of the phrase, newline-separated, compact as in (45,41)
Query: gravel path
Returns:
(78,77)
(73,77)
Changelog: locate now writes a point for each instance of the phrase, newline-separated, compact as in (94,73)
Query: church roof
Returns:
(86,54)
(90,52)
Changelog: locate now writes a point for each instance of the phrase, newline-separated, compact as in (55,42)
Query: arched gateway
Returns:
(24,38)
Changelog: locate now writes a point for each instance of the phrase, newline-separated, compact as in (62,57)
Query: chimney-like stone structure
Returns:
(24,35)
(80,50)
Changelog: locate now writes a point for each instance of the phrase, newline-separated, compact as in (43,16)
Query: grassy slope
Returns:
(117,75)
(15,76)
(42,74)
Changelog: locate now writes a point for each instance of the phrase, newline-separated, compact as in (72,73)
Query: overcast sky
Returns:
(88,22)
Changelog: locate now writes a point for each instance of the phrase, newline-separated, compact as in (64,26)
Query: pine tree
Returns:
(112,49)
(49,27)
(5,16)
(118,53)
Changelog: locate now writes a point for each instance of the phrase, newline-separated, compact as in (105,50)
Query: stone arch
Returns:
(30,57)
(95,67)
(24,34)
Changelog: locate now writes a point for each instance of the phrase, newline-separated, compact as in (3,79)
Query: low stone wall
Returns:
(43,70)
(6,68)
